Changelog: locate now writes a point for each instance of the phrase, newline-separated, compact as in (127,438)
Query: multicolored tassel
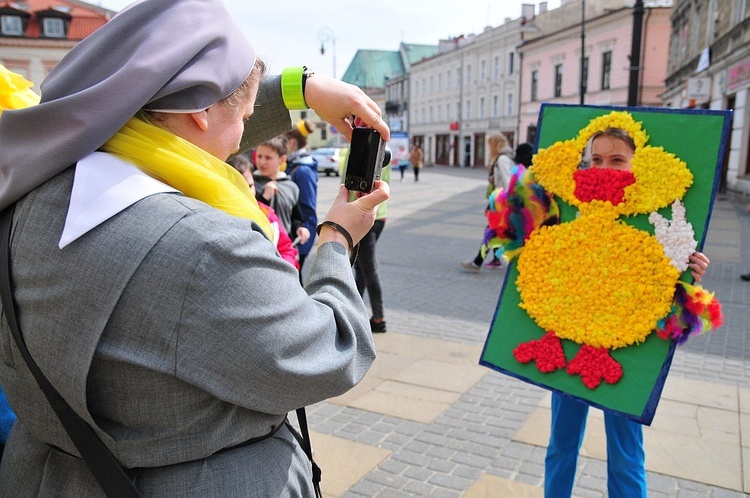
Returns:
(515,213)
(695,311)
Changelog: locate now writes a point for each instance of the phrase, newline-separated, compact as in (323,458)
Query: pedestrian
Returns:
(416,159)
(502,166)
(302,168)
(366,266)
(401,159)
(277,190)
(284,244)
(626,469)
(142,268)
(524,154)
(746,276)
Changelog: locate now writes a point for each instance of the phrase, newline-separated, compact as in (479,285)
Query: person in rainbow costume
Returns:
(607,171)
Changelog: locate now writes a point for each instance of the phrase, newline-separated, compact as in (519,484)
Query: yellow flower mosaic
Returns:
(596,280)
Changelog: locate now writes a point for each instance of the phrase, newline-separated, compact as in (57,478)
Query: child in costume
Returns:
(642,292)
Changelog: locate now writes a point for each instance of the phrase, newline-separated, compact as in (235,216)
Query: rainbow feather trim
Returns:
(695,311)
(515,213)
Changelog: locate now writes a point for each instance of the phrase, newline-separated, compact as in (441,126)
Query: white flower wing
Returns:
(677,237)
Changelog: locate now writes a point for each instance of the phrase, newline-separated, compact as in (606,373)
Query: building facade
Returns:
(464,93)
(552,65)
(709,67)
(36,34)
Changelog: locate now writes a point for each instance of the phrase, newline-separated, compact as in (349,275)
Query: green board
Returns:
(698,137)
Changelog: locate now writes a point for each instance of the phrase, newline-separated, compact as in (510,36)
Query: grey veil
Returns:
(171,55)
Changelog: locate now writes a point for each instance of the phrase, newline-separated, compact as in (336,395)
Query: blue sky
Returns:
(287,32)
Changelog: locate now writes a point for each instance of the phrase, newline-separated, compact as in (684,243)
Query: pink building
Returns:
(551,57)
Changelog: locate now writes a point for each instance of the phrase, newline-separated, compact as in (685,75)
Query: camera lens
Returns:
(386,157)
(363,184)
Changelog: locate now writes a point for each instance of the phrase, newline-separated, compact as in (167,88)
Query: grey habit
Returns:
(173,328)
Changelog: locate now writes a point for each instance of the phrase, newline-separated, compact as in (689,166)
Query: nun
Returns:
(146,283)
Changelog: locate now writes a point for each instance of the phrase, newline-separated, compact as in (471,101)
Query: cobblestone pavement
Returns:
(432,225)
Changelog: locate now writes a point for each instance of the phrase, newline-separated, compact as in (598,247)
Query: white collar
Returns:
(104,185)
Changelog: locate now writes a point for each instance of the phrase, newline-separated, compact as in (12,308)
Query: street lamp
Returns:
(583,51)
(325,35)
(635,54)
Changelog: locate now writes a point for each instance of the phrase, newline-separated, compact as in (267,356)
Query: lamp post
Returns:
(635,54)
(325,35)
(583,50)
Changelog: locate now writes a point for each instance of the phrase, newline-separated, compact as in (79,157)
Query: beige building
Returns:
(464,93)
(709,67)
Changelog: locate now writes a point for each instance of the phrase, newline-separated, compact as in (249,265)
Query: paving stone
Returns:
(473,434)
(450,481)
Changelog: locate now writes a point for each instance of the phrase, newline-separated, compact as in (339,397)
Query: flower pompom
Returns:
(515,213)
(694,312)
(15,91)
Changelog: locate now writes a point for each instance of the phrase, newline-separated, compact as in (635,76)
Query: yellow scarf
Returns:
(191,170)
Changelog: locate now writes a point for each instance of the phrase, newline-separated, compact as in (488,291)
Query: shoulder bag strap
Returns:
(104,467)
(304,441)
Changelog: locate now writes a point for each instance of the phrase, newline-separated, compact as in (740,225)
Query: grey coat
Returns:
(176,331)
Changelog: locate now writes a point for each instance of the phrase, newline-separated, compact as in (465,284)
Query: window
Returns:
(448,112)
(12,25)
(509,111)
(440,83)
(53,27)
(432,84)
(482,71)
(495,106)
(458,78)
(511,57)
(497,67)
(482,108)
(585,75)
(416,87)
(432,115)
(440,114)
(468,109)
(468,74)
(606,69)
(534,84)
(458,111)
(738,10)
(558,80)
(424,87)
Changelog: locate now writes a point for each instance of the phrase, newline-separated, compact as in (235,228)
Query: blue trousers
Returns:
(626,460)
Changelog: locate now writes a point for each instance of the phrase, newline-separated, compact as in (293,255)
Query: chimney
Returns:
(527,10)
(542,7)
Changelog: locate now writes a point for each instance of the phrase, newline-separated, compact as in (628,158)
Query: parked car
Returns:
(329,160)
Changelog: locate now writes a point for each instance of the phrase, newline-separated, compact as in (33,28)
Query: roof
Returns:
(371,68)
(84,18)
(415,53)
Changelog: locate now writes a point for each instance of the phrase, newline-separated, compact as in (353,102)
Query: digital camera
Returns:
(367,156)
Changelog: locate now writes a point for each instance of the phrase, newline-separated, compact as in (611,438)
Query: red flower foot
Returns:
(547,352)
(595,365)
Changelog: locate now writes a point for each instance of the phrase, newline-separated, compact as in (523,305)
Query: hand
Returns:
(335,101)
(356,217)
(269,190)
(303,234)
(698,265)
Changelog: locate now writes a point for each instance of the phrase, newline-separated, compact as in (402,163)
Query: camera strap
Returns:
(107,471)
